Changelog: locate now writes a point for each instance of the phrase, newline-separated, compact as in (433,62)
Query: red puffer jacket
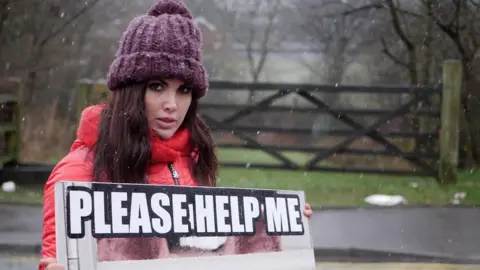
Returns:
(77,166)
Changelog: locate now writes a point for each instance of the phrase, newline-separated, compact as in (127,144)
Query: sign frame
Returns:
(81,253)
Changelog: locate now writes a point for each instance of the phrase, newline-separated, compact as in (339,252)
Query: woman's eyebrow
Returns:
(166,83)
(158,81)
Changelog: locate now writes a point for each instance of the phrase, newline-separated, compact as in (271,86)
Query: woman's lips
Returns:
(166,122)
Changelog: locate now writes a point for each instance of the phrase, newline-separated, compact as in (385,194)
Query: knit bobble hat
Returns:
(164,43)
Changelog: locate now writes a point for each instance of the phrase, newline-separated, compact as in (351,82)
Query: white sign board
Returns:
(103,226)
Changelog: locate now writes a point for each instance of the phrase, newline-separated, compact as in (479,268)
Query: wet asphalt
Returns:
(450,232)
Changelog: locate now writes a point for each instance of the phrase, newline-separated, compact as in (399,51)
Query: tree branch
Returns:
(455,21)
(59,30)
(378,6)
(387,52)
(266,37)
(363,8)
(4,14)
(453,34)
(398,28)
(475,3)
(251,37)
(412,58)
(472,30)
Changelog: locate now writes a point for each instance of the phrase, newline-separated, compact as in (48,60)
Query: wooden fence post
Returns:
(17,117)
(450,121)
(89,92)
(10,126)
(83,89)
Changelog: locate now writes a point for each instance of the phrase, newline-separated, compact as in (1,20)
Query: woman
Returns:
(149,132)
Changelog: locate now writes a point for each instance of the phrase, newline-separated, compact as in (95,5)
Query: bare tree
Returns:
(48,29)
(462,28)
(395,16)
(38,30)
(255,26)
(337,38)
(4,15)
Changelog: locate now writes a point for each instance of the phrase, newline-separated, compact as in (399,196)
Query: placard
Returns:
(102,226)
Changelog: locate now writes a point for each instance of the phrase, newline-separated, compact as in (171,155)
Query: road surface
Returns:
(18,262)
(9,262)
(445,232)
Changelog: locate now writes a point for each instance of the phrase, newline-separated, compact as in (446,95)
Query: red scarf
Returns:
(163,151)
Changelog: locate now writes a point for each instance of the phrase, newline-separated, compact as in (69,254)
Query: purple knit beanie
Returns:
(164,43)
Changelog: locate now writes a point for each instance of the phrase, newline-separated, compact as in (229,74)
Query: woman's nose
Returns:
(170,103)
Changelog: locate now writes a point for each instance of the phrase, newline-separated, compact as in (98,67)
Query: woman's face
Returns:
(167,103)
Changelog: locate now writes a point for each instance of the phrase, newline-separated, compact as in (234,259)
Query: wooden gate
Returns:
(229,118)
(298,126)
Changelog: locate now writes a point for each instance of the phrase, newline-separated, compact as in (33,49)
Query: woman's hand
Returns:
(308,211)
(50,264)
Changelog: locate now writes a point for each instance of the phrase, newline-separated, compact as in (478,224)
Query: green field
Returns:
(343,189)
(322,189)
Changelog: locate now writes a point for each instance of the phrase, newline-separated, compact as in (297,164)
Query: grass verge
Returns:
(345,189)
(342,189)
(321,188)
(32,194)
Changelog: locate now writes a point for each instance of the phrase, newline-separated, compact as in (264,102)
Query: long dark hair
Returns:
(123,153)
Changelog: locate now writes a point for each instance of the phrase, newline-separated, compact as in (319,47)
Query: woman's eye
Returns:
(185,90)
(155,86)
